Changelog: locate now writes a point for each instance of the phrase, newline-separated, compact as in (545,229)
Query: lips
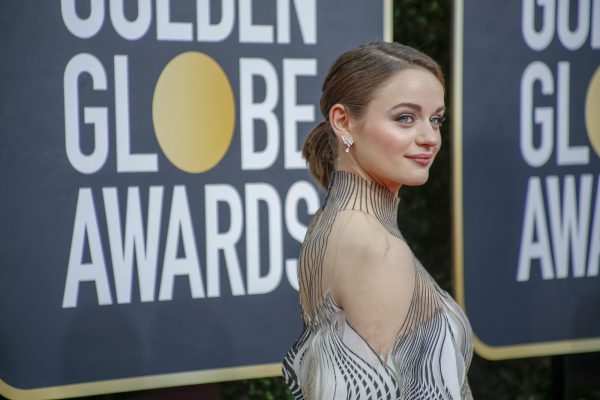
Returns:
(422,159)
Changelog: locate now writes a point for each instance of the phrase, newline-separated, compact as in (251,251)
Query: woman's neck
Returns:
(350,191)
(345,162)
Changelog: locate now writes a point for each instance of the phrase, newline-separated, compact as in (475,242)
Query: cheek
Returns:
(382,134)
(439,146)
(385,141)
(394,142)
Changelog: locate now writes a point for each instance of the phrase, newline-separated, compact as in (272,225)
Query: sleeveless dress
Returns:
(432,351)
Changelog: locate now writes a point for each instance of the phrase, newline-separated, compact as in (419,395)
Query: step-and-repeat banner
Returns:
(154,198)
(527,199)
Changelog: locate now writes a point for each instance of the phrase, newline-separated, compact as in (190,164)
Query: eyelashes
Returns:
(407,119)
(437,121)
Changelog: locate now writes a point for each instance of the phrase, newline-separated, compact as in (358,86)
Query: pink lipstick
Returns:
(422,159)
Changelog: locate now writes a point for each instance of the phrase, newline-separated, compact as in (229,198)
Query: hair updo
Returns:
(352,79)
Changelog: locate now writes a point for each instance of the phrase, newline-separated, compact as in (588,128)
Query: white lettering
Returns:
(534,222)
(306,10)
(538,40)
(180,227)
(249,32)
(293,112)
(569,225)
(86,224)
(131,30)
(573,40)
(299,191)
(83,28)
(167,29)
(255,193)
(145,247)
(535,157)
(209,32)
(126,161)
(226,240)
(595,40)
(594,254)
(96,116)
(250,111)
(565,153)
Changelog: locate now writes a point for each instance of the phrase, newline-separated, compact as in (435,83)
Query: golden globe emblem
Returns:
(592,111)
(193,112)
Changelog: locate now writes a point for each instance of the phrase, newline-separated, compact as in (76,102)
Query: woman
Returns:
(376,324)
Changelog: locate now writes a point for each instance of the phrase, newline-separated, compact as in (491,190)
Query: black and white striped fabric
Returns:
(432,351)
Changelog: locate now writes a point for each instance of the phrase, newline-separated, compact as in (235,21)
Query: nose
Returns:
(428,136)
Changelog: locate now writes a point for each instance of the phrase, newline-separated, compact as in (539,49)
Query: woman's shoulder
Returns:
(362,230)
(373,277)
(360,244)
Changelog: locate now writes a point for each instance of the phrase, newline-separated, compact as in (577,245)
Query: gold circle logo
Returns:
(592,111)
(193,112)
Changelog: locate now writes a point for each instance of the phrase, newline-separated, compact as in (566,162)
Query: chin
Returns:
(416,180)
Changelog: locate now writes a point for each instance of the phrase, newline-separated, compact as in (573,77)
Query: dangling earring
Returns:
(348,143)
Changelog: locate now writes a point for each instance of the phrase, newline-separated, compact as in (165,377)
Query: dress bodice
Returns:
(432,351)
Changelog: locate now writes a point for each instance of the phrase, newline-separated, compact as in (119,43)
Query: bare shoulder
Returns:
(373,276)
(359,240)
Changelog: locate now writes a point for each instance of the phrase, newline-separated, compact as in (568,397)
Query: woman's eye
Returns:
(405,119)
(437,121)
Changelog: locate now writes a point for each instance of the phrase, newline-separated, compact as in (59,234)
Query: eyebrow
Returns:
(414,106)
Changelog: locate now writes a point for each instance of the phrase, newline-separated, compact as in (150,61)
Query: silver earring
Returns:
(348,143)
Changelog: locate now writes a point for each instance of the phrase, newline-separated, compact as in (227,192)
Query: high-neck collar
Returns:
(353,192)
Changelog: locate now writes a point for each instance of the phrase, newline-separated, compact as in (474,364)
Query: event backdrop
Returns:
(153,193)
(527,198)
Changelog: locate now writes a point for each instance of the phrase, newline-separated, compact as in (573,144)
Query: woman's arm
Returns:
(371,277)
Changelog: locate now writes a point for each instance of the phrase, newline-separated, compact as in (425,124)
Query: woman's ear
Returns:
(340,121)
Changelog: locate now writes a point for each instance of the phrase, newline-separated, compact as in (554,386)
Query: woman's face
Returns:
(398,136)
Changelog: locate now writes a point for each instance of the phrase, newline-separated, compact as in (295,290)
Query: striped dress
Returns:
(432,350)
